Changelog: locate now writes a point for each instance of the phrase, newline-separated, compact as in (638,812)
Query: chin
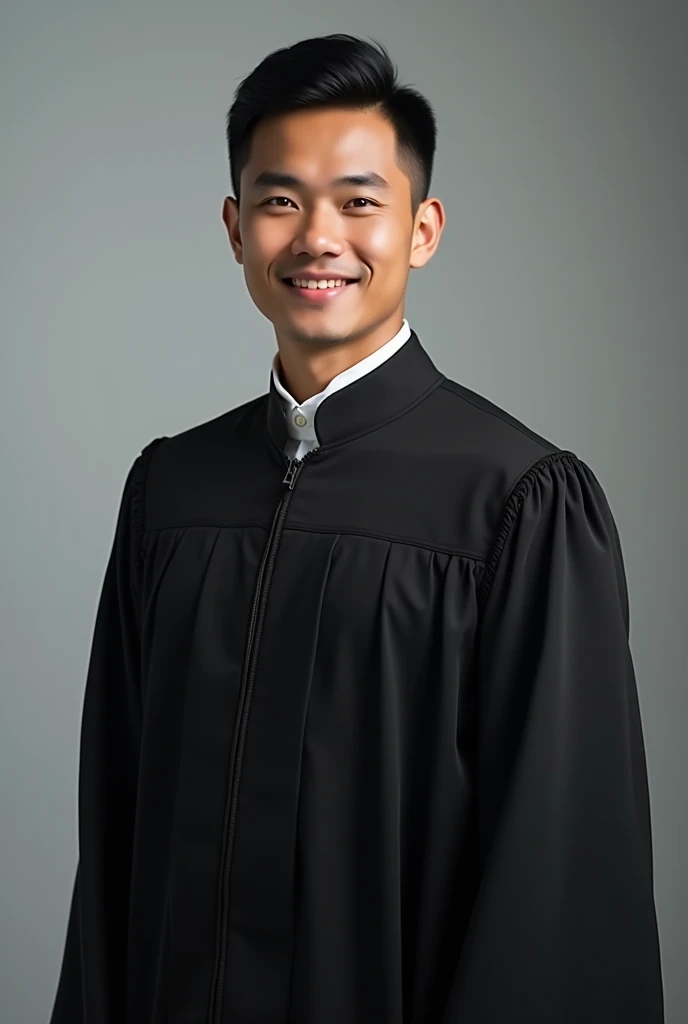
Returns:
(317,334)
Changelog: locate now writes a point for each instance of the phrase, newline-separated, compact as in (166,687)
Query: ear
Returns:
(429,224)
(230,216)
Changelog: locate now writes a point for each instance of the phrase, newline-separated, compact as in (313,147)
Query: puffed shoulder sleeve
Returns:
(94,958)
(563,925)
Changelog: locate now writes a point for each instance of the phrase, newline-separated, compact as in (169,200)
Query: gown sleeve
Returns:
(563,926)
(94,958)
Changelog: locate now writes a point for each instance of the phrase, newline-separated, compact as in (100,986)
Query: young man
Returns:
(361,740)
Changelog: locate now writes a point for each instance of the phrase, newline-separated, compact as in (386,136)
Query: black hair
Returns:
(341,71)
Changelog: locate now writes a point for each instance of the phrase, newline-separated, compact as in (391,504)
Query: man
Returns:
(361,740)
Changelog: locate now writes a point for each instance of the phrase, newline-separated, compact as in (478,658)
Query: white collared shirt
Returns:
(301,417)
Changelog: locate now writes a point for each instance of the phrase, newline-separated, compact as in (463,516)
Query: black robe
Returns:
(361,739)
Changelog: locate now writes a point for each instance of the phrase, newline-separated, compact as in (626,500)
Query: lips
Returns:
(317,295)
(288,280)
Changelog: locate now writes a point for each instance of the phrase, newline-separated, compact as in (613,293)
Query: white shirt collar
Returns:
(301,417)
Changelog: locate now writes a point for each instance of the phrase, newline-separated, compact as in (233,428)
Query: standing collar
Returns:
(366,402)
(300,416)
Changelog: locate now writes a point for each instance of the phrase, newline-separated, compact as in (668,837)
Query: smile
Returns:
(317,294)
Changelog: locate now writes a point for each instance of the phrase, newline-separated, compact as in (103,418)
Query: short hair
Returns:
(339,71)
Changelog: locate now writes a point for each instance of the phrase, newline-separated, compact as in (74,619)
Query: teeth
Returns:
(332,283)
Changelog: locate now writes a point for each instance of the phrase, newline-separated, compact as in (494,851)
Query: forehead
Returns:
(319,145)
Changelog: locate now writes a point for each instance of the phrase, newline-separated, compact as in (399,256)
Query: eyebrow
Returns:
(368,179)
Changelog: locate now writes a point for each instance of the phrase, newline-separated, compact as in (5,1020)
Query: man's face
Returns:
(285,230)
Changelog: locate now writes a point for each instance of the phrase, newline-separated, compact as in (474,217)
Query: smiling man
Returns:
(361,741)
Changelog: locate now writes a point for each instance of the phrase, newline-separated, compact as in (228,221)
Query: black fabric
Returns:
(363,746)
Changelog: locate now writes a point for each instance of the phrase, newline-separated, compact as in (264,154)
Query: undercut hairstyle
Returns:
(336,71)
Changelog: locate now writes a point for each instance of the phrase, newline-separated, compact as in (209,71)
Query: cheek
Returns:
(384,242)
(261,249)
(260,244)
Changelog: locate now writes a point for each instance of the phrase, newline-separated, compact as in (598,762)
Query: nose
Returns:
(319,232)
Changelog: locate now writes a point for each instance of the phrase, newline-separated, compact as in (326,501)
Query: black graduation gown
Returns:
(361,739)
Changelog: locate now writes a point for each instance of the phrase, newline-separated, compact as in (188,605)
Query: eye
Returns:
(357,199)
(268,202)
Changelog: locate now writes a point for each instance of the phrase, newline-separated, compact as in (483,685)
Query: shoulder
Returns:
(208,440)
(492,430)
(495,452)
(526,482)
(172,467)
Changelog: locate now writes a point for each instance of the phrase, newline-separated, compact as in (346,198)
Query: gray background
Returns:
(558,291)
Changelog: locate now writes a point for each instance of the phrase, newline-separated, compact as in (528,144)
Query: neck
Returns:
(306,369)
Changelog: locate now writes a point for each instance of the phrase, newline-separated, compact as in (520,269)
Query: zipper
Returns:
(294,467)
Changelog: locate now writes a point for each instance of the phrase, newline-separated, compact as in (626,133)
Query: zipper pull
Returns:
(295,466)
(291,473)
